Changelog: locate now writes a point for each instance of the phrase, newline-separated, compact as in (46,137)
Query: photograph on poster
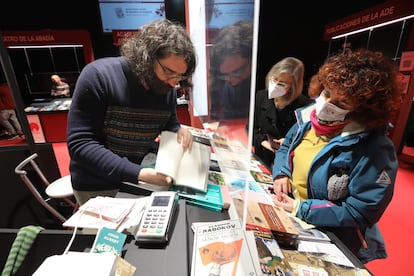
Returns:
(407,61)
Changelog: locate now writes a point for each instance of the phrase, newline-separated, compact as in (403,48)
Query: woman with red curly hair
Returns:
(336,168)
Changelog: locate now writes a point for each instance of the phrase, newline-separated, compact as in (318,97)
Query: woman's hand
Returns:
(149,175)
(185,138)
(284,201)
(281,185)
(266,145)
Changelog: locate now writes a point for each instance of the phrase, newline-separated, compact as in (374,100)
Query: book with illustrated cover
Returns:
(221,248)
(308,231)
(304,262)
(271,258)
(267,217)
(216,178)
(262,177)
(200,135)
(189,169)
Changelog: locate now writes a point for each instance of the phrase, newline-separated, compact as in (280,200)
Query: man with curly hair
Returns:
(336,168)
(121,104)
(230,66)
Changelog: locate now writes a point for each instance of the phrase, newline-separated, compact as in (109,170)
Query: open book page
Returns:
(188,168)
(169,154)
(194,167)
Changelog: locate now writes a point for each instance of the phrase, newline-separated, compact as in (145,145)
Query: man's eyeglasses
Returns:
(171,74)
(235,74)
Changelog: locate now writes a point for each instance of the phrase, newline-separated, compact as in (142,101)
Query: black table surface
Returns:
(173,259)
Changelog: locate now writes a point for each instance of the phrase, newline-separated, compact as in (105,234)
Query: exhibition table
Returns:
(174,259)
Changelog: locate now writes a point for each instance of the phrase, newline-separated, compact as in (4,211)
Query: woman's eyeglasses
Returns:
(171,74)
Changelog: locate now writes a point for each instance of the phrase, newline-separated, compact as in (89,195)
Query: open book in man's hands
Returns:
(189,169)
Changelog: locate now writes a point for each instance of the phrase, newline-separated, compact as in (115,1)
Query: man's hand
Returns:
(149,175)
(185,138)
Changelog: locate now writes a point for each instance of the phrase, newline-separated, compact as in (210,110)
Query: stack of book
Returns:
(114,213)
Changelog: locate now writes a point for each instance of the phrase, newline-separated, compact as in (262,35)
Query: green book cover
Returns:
(109,240)
(212,199)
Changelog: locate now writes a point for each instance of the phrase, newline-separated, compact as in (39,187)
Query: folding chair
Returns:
(61,188)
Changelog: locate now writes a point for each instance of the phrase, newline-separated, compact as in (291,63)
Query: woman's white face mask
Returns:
(276,89)
(329,112)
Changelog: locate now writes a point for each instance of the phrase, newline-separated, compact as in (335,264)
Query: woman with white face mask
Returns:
(275,105)
(336,168)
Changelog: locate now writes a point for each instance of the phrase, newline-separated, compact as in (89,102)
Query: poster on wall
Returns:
(221,13)
(129,15)
(407,61)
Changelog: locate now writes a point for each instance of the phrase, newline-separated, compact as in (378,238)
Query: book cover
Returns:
(109,240)
(189,169)
(271,258)
(266,217)
(303,262)
(225,194)
(212,199)
(308,231)
(262,177)
(216,178)
(221,248)
(200,135)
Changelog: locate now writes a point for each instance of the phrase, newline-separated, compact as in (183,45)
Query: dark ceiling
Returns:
(287,28)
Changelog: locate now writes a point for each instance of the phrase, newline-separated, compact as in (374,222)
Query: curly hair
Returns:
(158,39)
(232,40)
(368,80)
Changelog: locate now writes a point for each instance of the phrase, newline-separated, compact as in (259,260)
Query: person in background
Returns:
(121,104)
(274,107)
(230,65)
(59,87)
(8,118)
(336,168)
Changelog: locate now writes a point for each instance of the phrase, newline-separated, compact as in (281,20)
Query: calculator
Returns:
(157,221)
